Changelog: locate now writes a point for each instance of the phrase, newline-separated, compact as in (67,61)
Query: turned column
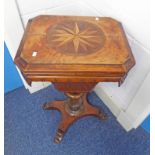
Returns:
(74,104)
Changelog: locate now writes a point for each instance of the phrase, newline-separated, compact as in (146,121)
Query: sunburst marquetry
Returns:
(74,53)
(75,37)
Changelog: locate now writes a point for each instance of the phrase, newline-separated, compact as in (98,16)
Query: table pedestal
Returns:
(75,53)
(75,107)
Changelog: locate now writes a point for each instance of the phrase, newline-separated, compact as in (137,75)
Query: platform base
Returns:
(75,107)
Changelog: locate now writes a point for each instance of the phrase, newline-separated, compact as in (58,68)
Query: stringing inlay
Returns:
(75,37)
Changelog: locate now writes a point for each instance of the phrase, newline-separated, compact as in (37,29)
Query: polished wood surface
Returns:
(75,49)
(74,53)
(75,38)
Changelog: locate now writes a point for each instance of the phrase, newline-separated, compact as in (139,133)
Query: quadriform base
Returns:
(75,107)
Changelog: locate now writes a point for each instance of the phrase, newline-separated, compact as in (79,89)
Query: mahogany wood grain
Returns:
(74,53)
(70,46)
(67,119)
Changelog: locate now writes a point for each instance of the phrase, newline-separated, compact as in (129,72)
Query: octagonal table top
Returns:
(74,48)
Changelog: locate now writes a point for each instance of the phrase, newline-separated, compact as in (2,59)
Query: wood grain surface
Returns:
(75,49)
(75,53)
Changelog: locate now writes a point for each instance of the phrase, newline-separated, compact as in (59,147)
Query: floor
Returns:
(29,130)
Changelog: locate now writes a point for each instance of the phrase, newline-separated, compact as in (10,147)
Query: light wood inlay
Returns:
(101,42)
(74,49)
(75,37)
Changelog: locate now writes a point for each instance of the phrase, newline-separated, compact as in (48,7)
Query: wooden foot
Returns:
(71,112)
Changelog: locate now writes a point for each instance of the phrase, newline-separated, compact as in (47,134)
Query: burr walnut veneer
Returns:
(74,53)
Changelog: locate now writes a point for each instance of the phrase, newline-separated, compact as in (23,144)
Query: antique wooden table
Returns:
(74,53)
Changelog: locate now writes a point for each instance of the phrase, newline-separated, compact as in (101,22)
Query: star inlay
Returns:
(75,37)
